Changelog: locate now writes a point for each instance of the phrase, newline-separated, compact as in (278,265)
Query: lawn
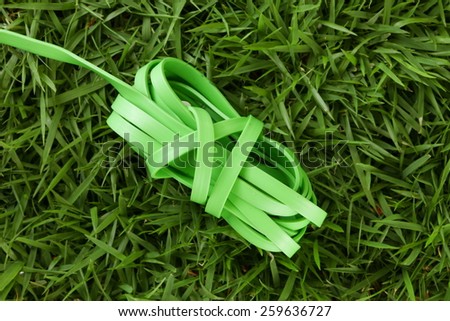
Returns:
(357,89)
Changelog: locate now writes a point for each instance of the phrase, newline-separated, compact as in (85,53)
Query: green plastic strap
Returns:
(185,129)
(202,172)
(233,165)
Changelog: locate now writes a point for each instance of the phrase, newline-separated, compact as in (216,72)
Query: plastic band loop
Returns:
(186,129)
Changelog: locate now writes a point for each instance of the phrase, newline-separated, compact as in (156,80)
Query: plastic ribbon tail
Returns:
(185,129)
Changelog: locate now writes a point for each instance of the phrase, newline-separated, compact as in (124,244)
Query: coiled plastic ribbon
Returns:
(184,128)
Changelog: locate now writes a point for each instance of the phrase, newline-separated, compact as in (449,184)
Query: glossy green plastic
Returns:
(185,129)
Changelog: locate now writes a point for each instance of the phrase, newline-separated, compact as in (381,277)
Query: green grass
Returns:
(359,86)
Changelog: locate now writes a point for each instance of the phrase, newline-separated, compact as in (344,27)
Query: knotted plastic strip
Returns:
(184,128)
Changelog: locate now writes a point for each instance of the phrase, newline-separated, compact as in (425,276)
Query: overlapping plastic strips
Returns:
(184,128)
